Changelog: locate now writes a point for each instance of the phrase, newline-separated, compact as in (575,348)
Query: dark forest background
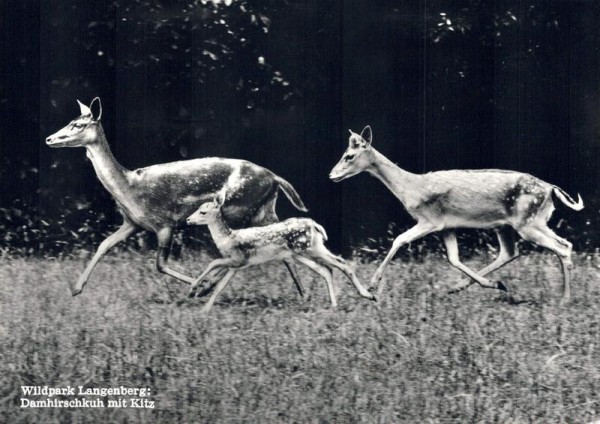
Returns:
(462,84)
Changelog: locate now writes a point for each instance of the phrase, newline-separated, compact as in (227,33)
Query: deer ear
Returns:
(96,99)
(354,140)
(85,111)
(367,135)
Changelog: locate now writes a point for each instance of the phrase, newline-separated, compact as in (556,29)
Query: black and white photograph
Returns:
(300,211)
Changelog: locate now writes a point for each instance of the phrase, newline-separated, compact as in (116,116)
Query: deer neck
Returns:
(403,184)
(110,173)
(219,231)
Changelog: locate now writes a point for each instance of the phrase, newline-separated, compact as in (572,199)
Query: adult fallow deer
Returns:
(446,200)
(159,197)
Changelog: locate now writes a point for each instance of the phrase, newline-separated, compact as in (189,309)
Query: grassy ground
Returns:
(265,355)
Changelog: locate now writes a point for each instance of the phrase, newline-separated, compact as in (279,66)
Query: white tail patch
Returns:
(568,200)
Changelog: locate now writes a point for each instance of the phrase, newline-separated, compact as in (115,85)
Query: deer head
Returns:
(81,131)
(356,158)
(207,212)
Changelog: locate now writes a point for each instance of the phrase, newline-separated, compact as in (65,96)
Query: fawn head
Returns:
(207,212)
(356,157)
(81,131)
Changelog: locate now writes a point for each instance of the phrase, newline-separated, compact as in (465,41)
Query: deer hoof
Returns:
(501,286)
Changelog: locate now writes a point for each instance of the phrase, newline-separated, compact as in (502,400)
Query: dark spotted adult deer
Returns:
(159,197)
(446,200)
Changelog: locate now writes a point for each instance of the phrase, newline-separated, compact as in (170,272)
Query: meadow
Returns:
(266,355)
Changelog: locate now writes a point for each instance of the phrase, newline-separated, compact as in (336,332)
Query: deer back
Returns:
(170,192)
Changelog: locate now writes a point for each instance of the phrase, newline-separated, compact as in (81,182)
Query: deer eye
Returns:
(77,126)
(350,158)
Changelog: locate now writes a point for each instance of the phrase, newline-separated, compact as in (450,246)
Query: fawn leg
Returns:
(327,258)
(323,271)
(220,286)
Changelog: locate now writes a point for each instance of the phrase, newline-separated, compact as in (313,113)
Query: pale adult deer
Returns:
(300,239)
(445,200)
(159,197)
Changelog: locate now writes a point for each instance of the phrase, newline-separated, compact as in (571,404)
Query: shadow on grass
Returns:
(512,299)
(259,301)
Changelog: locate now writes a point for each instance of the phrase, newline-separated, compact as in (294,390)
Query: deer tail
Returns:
(290,193)
(564,197)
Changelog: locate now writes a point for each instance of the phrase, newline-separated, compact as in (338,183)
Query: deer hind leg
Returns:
(543,236)
(126,230)
(323,271)
(322,255)
(508,253)
(266,215)
(291,267)
(165,237)
(220,286)
(452,252)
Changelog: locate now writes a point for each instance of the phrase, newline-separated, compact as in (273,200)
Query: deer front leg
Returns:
(205,290)
(221,265)
(267,216)
(408,236)
(165,237)
(126,230)
(220,286)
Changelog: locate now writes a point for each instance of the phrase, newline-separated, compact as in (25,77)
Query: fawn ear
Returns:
(96,99)
(220,198)
(85,111)
(367,135)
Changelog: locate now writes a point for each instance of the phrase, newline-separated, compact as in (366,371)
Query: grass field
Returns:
(265,355)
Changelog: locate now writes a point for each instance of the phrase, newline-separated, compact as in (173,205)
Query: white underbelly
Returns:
(268,254)
(462,222)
